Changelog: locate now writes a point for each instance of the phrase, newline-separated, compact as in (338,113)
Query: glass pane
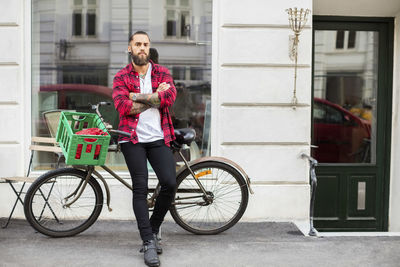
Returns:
(352,39)
(171,2)
(91,24)
(171,23)
(185,23)
(171,15)
(345,92)
(69,72)
(185,3)
(77,24)
(196,73)
(181,110)
(339,39)
(178,73)
(171,28)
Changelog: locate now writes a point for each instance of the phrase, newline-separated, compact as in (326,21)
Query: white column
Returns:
(394,197)
(15,96)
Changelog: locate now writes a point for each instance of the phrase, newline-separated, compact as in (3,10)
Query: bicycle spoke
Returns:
(186,207)
(226,200)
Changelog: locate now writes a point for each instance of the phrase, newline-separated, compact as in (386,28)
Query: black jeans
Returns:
(161,159)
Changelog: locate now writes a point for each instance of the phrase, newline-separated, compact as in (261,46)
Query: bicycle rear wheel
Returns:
(45,201)
(222,207)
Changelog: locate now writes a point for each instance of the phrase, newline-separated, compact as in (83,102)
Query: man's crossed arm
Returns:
(142,102)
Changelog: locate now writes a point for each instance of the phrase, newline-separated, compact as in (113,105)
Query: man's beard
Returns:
(140,61)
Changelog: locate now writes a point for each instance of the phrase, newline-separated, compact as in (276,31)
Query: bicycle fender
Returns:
(108,195)
(106,188)
(221,160)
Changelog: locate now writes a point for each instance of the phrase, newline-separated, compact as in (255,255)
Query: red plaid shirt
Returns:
(127,80)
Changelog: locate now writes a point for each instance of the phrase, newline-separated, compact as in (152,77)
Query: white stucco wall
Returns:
(14,93)
(253,122)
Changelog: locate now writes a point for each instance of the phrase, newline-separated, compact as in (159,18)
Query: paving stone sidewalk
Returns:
(116,243)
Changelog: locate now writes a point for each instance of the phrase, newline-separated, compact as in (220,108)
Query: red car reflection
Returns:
(74,97)
(341,137)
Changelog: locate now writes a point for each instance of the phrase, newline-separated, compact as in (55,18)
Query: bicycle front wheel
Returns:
(220,208)
(47,201)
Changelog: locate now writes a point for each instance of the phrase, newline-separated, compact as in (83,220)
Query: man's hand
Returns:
(151,100)
(163,87)
(131,96)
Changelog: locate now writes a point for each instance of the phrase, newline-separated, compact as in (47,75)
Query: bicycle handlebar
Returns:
(120,132)
(104,104)
(96,108)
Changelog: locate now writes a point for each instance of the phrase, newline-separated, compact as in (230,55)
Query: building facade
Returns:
(232,60)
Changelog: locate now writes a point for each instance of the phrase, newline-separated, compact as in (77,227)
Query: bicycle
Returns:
(211,195)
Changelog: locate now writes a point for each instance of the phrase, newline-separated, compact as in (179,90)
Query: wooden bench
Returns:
(17,179)
(40,144)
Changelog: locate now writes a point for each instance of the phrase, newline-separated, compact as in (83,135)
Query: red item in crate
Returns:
(89,131)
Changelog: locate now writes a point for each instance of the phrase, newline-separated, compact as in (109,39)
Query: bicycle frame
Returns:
(151,201)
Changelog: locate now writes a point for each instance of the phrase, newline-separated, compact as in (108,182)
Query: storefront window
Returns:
(79,45)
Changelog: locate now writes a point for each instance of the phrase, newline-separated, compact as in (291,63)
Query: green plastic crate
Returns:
(72,122)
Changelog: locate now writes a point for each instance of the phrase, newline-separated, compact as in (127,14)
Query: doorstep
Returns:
(304,227)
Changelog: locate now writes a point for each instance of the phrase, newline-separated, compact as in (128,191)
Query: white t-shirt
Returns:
(149,125)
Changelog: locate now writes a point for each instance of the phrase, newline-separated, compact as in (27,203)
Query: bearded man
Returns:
(142,93)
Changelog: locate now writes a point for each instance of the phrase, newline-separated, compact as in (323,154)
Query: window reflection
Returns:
(345,39)
(352,39)
(345,89)
(178,18)
(79,45)
(84,18)
(339,39)
(341,137)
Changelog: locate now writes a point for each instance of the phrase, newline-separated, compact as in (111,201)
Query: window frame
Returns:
(178,10)
(84,11)
(346,41)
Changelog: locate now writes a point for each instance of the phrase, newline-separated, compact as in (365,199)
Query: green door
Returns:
(351,118)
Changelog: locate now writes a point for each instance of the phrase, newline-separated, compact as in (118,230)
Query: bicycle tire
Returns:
(220,179)
(49,216)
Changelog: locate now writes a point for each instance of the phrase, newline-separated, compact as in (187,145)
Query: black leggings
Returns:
(161,159)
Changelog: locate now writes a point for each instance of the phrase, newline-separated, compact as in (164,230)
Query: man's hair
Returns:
(154,55)
(138,32)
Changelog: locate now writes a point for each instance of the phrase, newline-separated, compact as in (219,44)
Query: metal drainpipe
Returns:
(313,181)
(130,25)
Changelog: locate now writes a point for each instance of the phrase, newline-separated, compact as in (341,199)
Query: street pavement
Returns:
(117,243)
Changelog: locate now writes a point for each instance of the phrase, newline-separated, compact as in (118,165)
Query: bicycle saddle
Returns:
(184,135)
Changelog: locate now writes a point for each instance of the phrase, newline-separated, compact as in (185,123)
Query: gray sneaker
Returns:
(150,253)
